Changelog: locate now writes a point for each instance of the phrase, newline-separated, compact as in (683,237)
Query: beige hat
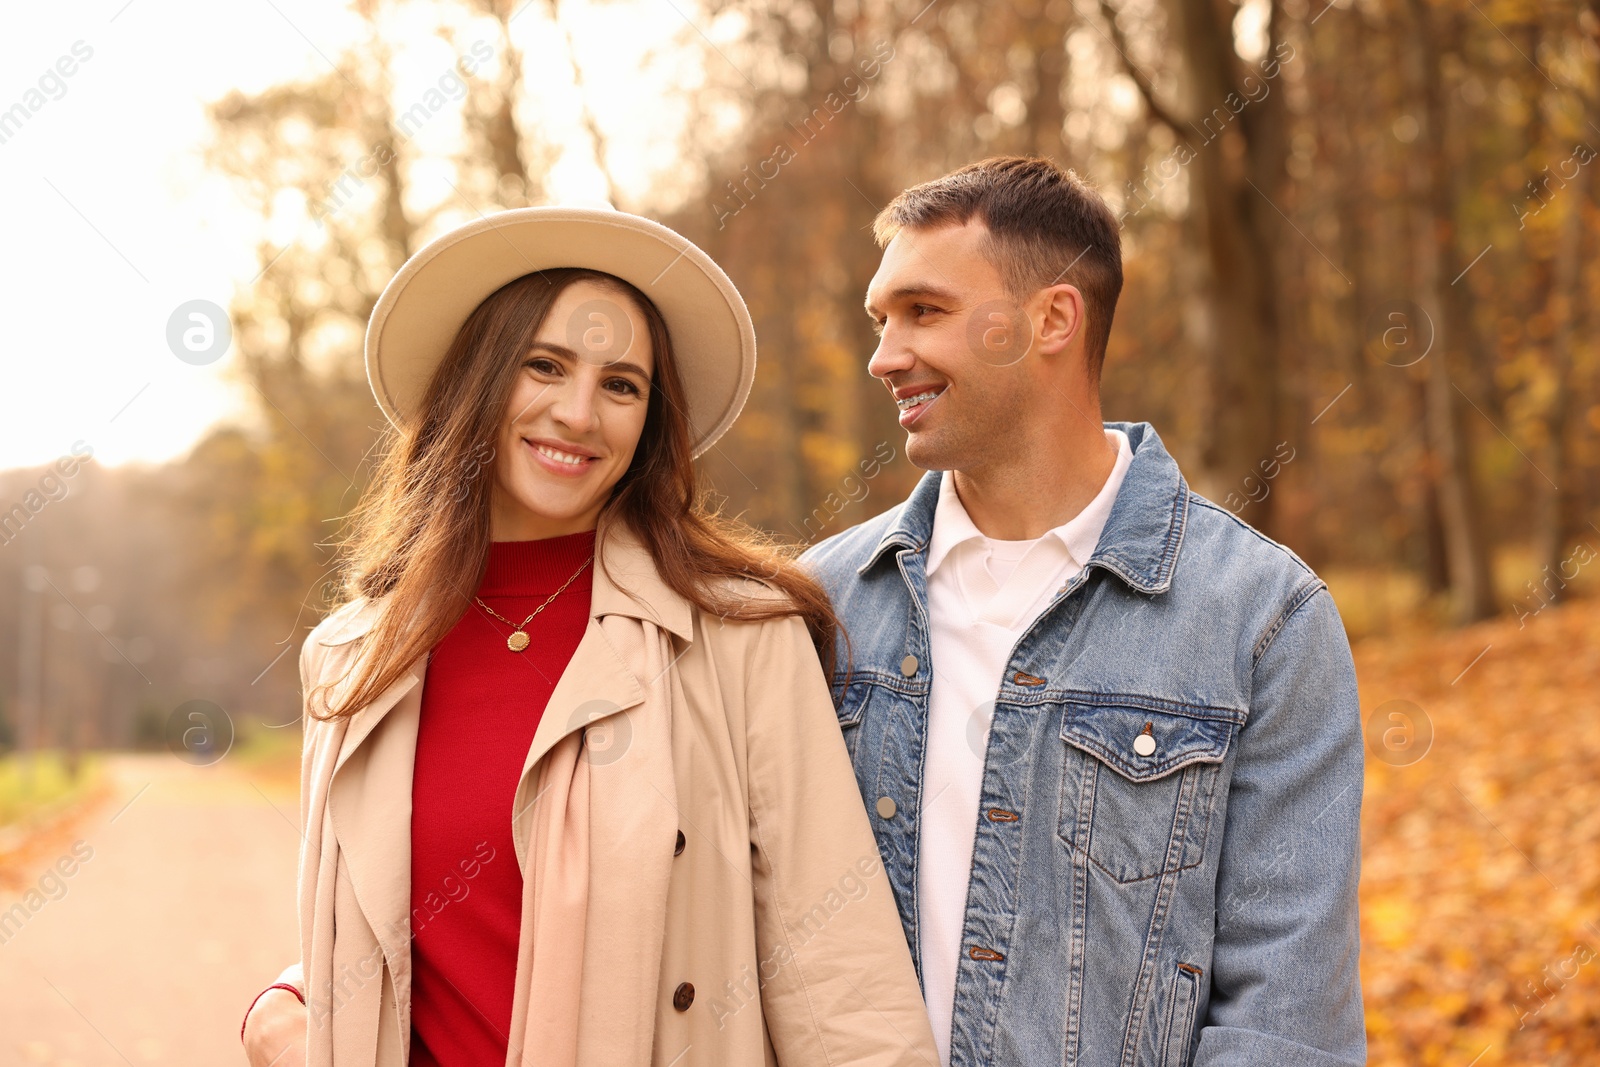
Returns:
(430,297)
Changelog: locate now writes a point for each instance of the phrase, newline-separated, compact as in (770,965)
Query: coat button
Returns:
(677,849)
(1145,743)
(886,807)
(908,666)
(683,996)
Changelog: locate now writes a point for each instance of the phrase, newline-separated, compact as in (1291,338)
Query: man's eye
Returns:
(923,309)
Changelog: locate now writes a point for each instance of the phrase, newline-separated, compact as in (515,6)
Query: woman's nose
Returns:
(575,407)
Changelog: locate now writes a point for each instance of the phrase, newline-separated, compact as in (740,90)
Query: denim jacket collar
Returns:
(1141,537)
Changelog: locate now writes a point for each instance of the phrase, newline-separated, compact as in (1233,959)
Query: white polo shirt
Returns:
(982,594)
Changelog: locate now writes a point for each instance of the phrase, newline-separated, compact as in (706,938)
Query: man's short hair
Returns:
(1046,226)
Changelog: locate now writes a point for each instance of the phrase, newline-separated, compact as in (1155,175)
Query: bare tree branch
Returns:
(585,112)
(1118,41)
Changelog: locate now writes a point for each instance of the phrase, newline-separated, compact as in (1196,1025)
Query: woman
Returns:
(573,790)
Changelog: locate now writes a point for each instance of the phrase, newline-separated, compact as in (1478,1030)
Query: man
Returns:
(1108,733)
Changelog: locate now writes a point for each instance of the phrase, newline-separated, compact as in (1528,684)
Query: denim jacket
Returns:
(1131,905)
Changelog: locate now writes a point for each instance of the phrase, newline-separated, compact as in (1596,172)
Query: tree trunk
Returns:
(1466,549)
(1048,112)
(1239,169)
(1555,521)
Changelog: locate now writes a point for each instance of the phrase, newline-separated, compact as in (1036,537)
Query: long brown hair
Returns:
(420,534)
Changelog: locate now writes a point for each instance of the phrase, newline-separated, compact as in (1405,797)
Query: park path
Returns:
(151,949)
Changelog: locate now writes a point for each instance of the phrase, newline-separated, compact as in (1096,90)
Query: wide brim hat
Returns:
(425,304)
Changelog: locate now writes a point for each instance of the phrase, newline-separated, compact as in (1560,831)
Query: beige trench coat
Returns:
(770,937)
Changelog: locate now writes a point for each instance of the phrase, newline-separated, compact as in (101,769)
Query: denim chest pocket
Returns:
(1139,781)
(851,710)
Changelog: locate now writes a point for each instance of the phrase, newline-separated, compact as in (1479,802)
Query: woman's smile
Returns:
(560,458)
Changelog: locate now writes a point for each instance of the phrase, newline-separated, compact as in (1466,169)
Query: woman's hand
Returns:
(275,1031)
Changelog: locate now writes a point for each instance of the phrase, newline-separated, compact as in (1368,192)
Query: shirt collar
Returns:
(1142,536)
(952,526)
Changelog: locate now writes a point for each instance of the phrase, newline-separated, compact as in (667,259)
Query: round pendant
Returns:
(517,641)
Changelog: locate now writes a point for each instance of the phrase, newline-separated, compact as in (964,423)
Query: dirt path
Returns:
(138,933)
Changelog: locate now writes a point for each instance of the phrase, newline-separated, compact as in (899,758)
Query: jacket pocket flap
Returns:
(1143,742)
(853,705)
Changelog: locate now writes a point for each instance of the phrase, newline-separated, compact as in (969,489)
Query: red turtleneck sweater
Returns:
(480,705)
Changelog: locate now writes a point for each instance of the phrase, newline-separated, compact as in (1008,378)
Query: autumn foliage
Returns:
(1480,910)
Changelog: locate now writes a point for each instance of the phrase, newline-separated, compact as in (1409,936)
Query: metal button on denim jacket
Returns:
(1166,858)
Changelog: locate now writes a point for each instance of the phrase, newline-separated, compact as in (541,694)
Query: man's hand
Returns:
(275,1031)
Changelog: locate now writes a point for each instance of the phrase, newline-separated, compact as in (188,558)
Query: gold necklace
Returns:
(518,640)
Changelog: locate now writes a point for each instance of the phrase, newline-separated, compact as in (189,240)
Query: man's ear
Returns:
(1061,317)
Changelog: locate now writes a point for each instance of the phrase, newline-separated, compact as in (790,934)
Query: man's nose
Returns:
(890,356)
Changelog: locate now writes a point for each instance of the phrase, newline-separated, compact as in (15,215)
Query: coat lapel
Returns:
(369,797)
(596,684)
(345,662)
(600,681)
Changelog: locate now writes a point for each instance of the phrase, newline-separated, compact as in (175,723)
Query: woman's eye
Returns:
(541,365)
(622,387)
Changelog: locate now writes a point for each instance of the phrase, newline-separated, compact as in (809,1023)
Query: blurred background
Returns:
(1360,309)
